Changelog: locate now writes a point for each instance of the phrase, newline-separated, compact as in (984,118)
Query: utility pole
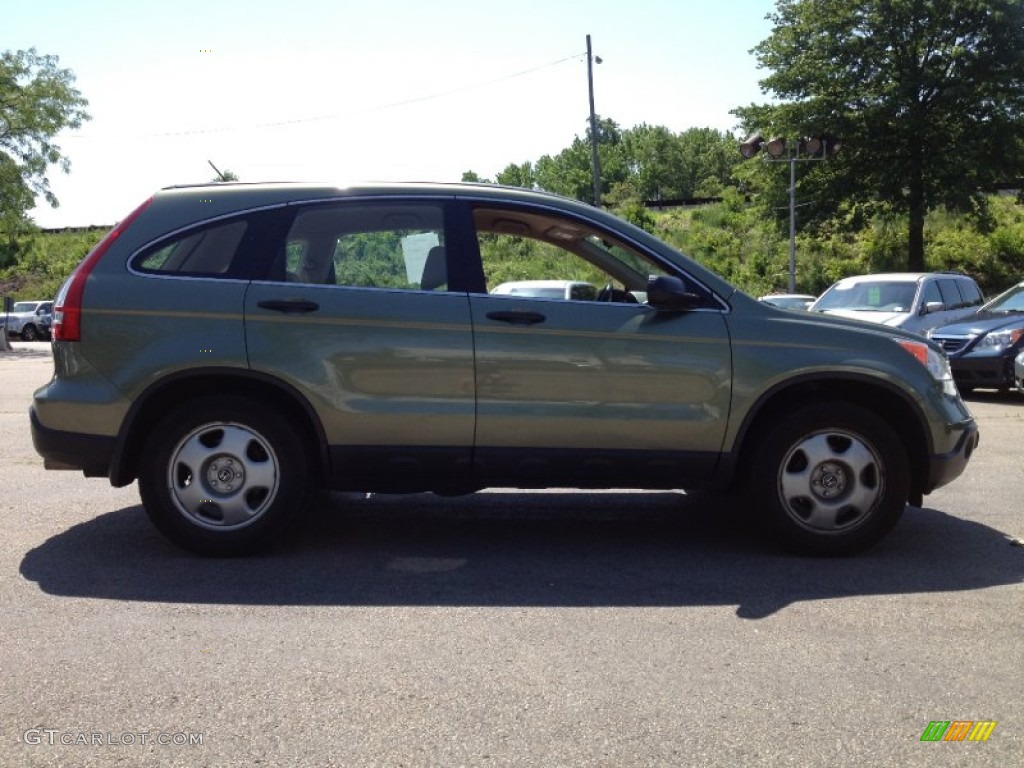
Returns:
(593,125)
(778,150)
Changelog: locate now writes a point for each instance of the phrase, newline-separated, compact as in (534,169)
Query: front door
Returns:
(572,365)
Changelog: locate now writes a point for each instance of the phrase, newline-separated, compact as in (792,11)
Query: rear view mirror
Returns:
(670,293)
(932,306)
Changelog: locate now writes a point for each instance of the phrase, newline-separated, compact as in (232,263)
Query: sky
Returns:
(341,91)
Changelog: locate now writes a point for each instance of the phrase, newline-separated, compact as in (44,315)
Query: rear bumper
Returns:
(70,450)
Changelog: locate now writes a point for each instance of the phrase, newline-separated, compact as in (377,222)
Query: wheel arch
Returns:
(892,404)
(172,390)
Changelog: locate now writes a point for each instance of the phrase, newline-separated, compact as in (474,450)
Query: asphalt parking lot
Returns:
(505,628)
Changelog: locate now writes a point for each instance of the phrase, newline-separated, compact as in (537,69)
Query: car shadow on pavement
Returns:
(992,396)
(26,351)
(512,549)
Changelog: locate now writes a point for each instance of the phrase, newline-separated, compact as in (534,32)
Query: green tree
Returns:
(518,176)
(570,172)
(663,165)
(37,101)
(926,95)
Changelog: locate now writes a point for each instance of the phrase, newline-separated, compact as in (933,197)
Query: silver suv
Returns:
(30,320)
(913,301)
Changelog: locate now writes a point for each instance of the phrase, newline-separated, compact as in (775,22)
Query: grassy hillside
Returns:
(733,238)
(42,261)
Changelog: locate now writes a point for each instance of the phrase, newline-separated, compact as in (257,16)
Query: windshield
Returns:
(873,296)
(1011,301)
(24,306)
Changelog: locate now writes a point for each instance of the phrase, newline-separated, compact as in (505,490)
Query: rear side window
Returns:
(368,245)
(950,293)
(971,293)
(207,251)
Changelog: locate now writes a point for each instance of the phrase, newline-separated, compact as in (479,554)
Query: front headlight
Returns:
(933,360)
(1001,339)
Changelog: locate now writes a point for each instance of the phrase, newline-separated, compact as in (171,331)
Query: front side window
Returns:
(930,293)
(368,245)
(539,255)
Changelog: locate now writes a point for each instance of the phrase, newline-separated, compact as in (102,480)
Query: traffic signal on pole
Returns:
(809,146)
(752,145)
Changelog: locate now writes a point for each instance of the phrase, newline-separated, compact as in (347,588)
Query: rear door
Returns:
(360,321)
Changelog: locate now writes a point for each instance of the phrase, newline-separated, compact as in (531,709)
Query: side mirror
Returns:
(932,306)
(670,293)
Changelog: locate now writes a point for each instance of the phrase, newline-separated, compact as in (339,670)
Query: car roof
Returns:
(887,277)
(175,208)
(900,277)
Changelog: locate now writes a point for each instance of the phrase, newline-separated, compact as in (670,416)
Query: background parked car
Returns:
(1018,372)
(913,301)
(981,348)
(788,300)
(30,320)
(548,289)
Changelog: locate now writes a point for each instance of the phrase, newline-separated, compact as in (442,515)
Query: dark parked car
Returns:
(981,348)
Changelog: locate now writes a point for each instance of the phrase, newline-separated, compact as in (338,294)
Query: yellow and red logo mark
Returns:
(958,730)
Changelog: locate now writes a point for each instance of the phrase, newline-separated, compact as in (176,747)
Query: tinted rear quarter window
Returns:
(207,251)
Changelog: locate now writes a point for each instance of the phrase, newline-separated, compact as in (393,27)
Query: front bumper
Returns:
(986,372)
(945,468)
(71,450)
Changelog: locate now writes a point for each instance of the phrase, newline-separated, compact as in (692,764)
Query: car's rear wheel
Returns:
(224,477)
(28,333)
(832,479)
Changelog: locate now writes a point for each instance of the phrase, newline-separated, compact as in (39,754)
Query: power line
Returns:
(341,115)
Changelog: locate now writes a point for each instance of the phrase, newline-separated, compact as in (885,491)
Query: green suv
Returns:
(236,346)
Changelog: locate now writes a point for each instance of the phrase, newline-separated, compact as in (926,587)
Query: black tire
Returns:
(28,333)
(224,477)
(830,479)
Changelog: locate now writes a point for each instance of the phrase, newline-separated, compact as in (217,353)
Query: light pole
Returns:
(779,150)
(591,60)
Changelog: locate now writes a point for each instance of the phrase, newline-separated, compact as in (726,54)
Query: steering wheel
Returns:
(617,295)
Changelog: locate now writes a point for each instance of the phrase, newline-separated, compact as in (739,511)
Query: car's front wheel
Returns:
(28,333)
(224,477)
(832,479)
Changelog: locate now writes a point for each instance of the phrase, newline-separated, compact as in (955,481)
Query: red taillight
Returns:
(67,307)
